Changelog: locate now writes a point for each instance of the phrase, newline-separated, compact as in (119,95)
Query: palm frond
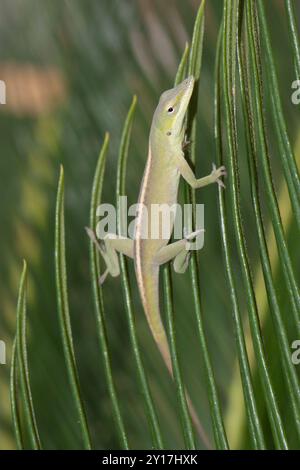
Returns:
(237,327)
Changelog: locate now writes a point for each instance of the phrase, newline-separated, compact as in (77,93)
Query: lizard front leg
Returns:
(187,173)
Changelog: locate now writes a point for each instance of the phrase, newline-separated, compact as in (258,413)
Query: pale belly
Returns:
(156,212)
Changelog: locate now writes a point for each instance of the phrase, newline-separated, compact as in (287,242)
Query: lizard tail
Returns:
(165,352)
(150,299)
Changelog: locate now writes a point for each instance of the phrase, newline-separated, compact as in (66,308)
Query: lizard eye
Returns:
(170,110)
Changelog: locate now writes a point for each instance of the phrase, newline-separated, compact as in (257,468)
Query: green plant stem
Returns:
(14,398)
(286,154)
(21,347)
(63,311)
(194,68)
(214,402)
(230,35)
(255,427)
(98,295)
(253,34)
(284,347)
(184,411)
(288,157)
(294,35)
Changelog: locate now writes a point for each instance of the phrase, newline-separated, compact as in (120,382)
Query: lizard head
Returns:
(171,110)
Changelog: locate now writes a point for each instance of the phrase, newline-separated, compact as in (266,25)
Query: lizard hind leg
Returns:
(178,251)
(108,253)
(181,260)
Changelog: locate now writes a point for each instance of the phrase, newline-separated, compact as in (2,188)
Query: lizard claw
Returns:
(99,243)
(217,173)
(91,235)
(185,143)
(101,247)
(192,235)
(103,276)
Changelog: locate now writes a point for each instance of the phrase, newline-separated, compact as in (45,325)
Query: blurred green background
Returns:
(71,68)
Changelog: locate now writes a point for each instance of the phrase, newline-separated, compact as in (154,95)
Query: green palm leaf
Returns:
(242,380)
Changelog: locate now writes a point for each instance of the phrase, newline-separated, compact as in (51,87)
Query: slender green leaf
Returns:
(284,347)
(288,271)
(14,398)
(230,36)
(121,179)
(63,311)
(285,151)
(215,407)
(21,349)
(255,426)
(184,411)
(98,296)
(294,197)
(294,35)
(194,68)
(287,157)
(181,71)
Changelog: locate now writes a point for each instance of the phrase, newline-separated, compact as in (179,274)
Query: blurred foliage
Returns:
(79,64)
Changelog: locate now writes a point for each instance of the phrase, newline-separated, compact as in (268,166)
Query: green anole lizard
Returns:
(165,164)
